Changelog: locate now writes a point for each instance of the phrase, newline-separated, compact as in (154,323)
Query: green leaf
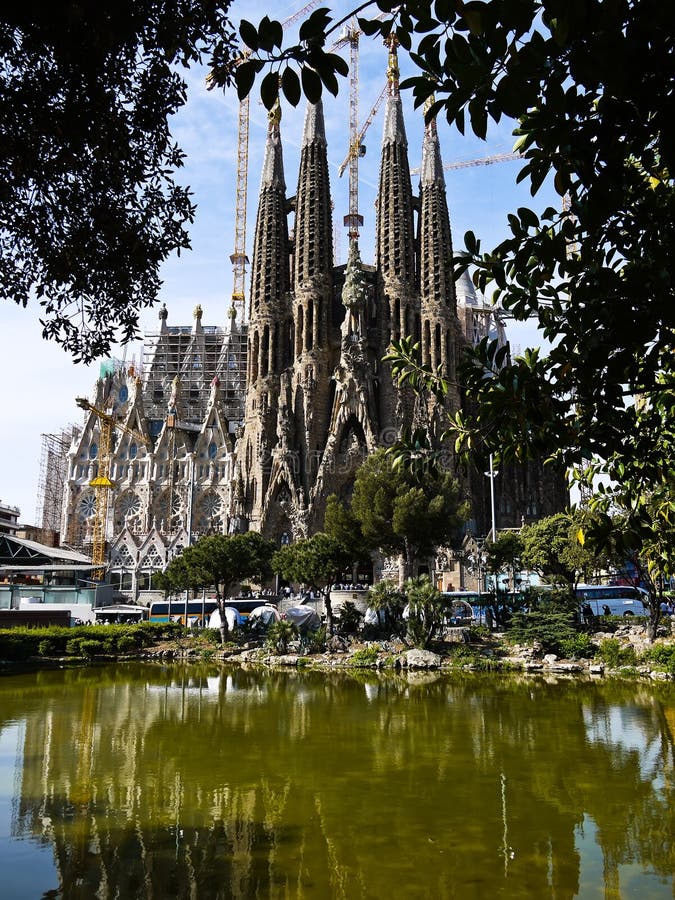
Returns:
(270,34)
(313,29)
(527,217)
(404,38)
(369,27)
(471,14)
(478,115)
(330,81)
(340,65)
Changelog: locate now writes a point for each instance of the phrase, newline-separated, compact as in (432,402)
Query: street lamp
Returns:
(492,474)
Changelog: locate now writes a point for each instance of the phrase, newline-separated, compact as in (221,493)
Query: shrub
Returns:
(348,618)
(386,598)
(314,641)
(462,655)
(366,656)
(578,647)
(479,633)
(73,646)
(48,647)
(615,654)
(280,634)
(550,629)
(127,643)
(89,648)
(212,635)
(16,645)
(663,655)
(425,610)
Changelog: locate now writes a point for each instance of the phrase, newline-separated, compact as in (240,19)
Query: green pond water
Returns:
(158,781)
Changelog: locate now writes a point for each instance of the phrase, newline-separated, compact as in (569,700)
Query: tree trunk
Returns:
(224,630)
(329,611)
(408,561)
(654,618)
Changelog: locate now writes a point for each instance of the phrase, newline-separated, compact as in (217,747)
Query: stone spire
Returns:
(312,298)
(436,281)
(438,305)
(313,222)
(270,275)
(398,311)
(269,330)
(395,232)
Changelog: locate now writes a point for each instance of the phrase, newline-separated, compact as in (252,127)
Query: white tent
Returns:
(232,617)
(305,618)
(374,617)
(263,616)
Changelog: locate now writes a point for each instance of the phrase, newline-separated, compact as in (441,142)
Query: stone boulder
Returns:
(422,659)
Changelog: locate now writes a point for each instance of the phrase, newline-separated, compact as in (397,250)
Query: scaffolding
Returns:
(196,357)
(52,478)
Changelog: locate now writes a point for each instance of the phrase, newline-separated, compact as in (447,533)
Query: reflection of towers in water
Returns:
(192,779)
(127,812)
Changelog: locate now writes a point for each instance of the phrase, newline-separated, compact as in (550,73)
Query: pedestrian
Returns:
(606,611)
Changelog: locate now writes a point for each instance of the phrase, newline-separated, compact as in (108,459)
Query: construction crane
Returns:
(482,161)
(350,37)
(238,258)
(357,149)
(102,482)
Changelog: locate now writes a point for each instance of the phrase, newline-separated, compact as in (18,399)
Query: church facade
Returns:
(254,426)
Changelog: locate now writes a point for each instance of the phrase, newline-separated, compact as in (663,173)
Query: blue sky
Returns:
(41,383)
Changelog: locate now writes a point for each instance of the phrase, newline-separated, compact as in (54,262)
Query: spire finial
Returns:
(274,116)
(428,103)
(393,73)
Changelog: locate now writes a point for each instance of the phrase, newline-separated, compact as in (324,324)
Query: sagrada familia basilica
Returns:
(254,425)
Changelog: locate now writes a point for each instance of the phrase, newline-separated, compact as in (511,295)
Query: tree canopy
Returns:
(220,562)
(556,548)
(398,514)
(89,204)
(317,561)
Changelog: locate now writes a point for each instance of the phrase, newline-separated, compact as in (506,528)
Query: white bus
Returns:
(619,599)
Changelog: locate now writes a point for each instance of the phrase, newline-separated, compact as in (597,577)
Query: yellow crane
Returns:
(102,483)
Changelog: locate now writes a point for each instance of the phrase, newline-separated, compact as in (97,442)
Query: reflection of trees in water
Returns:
(210,782)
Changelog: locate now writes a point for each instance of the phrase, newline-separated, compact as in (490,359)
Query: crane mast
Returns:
(239,259)
(102,482)
(354,220)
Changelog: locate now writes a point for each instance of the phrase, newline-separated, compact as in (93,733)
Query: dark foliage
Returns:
(89,206)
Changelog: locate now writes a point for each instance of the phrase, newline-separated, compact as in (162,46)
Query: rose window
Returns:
(162,514)
(210,512)
(129,505)
(86,507)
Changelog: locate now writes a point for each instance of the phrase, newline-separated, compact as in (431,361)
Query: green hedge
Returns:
(18,644)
